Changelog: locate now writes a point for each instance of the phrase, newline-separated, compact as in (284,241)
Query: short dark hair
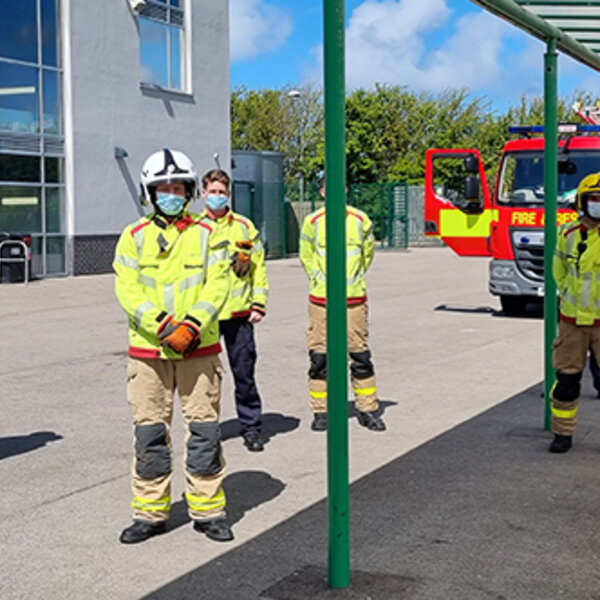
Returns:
(216,175)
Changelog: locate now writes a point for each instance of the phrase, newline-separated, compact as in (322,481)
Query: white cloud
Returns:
(387,42)
(256,28)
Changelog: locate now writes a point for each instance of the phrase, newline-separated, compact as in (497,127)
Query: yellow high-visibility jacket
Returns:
(576,269)
(179,269)
(360,250)
(250,292)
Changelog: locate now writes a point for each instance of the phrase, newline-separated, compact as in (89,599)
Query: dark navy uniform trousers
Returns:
(238,335)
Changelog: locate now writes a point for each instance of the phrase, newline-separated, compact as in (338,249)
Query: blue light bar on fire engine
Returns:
(562,128)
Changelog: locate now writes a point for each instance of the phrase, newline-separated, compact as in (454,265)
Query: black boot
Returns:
(253,442)
(371,420)
(216,529)
(561,444)
(140,531)
(319,422)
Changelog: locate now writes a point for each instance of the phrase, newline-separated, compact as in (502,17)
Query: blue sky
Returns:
(427,45)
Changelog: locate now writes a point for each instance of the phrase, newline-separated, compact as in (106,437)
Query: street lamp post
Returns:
(297,95)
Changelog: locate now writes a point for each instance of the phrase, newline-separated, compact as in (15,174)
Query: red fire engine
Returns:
(508,224)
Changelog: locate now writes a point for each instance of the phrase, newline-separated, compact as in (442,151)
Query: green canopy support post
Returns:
(337,344)
(550,191)
(283,222)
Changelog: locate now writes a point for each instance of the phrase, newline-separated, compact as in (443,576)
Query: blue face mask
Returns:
(216,202)
(170,204)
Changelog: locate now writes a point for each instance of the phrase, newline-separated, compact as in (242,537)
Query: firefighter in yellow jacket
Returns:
(172,279)
(576,268)
(247,302)
(360,248)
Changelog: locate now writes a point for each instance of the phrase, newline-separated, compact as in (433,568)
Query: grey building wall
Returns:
(106,106)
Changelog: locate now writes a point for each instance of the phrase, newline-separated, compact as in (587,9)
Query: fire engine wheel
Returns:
(513,305)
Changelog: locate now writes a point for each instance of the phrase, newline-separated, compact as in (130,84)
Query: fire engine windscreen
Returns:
(521,180)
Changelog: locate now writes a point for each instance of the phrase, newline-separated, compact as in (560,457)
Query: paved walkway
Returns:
(458,499)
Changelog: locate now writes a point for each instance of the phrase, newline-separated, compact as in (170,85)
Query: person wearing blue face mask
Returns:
(172,279)
(247,302)
(576,269)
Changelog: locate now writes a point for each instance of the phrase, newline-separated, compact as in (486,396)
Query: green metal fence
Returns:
(386,204)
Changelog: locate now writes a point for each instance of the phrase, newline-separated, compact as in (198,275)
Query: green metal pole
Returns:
(283,221)
(337,345)
(390,203)
(550,191)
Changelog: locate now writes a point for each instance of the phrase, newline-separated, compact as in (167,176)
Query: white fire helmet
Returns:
(168,166)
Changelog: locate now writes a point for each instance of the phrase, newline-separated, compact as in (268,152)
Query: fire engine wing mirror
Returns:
(567,167)
(471,164)
(472,203)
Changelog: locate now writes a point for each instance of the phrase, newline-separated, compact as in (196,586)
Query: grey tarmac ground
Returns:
(459,498)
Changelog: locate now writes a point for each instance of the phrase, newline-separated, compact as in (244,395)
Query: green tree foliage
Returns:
(388,129)
(289,120)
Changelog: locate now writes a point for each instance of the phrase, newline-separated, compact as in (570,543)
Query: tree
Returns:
(275,120)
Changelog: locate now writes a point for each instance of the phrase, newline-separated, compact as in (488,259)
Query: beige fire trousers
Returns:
(362,374)
(151,384)
(569,358)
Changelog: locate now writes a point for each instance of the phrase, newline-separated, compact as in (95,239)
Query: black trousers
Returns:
(238,335)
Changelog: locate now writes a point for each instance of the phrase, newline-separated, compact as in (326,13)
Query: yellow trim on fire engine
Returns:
(455,223)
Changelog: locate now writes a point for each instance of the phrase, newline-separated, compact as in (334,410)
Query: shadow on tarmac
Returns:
(245,490)
(532,311)
(481,511)
(273,424)
(20,444)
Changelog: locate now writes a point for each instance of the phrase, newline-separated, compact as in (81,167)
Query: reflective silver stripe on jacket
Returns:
(127,261)
(586,292)
(191,281)
(216,256)
(569,298)
(207,306)
(138,236)
(140,311)
(169,298)
(560,254)
(260,290)
(147,281)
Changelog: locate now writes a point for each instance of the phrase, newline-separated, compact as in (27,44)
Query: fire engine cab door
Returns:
(458,207)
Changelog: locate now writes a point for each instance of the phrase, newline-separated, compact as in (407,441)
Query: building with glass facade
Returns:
(87,91)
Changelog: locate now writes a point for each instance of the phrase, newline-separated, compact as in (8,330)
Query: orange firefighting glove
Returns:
(181,336)
(241,259)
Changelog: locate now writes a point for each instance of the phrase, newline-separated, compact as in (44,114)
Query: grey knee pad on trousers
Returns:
(152,453)
(318,365)
(203,448)
(567,386)
(361,365)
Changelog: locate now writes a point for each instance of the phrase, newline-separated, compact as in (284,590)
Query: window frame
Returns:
(170,29)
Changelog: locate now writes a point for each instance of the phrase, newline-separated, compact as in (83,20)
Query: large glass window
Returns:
(18,98)
(20,209)
(19,168)
(49,33)
(51,108)
(18,30)
(522,176)
(162,54)
(54,210)
(31,183)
